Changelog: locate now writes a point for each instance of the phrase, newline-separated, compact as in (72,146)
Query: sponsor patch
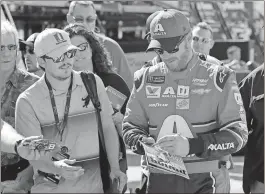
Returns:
(155,79)
(158,105)
(153,91)
(159,30)
(223,146)
(169,93)
(183,104)
(183,91)
(222,75)
(199,82)
(238,99)
(200,91)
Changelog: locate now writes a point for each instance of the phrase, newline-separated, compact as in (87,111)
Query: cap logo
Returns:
(159,30)
(59,38)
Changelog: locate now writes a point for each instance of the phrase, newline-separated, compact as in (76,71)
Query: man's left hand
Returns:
(174,144)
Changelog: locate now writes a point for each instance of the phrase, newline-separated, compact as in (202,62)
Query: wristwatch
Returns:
(16,145)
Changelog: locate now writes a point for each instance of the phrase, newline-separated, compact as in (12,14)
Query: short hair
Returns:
(82,3)
(233,48)
(204,26)
(100,56)
(8,28)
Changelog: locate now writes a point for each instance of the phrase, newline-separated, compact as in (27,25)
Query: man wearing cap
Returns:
(16,174)
(84,12)
(54,108)
(188,107)
(29,55)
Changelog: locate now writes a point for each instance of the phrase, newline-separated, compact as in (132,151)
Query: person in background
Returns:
(60,92)
(234,59)
(94,57)
(16,173)
(163,109)
(29,55)
(252,91)
(202,41)
(84,12)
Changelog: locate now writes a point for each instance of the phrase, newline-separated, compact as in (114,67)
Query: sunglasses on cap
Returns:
(69,54)
(200,39)
(161,51)
(10,47)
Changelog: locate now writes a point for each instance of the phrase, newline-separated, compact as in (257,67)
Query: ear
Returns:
(212,44)
(41,62)
(69,18)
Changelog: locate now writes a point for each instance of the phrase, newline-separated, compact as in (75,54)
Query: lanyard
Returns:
(61,127)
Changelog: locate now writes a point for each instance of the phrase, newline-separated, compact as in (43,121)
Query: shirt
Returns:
(252,91)
(34,116)
(202,103)
(18,82)
(118,58)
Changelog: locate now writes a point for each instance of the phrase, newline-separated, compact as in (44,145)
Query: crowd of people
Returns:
(184,101)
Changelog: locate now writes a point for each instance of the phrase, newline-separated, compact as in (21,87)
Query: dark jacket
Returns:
(252,91)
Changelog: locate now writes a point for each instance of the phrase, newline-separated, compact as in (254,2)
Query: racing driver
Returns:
(189,107)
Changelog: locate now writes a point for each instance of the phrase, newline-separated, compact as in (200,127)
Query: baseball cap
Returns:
(167,29)
(53,42)
(30,41)
(148,22)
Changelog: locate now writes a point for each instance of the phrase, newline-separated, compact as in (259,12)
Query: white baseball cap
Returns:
(53,42)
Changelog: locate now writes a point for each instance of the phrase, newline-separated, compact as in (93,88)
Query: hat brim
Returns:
(28,43)
(167,44)
(61,50)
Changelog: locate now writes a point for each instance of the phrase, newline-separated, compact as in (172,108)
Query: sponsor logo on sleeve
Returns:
(238,99)
(242,114)
(169,93)
(199,82)
(200,91)
(183,104)
(183,91)
(223,146)
(153,91)
(155,79)
(222,75)
(157,105)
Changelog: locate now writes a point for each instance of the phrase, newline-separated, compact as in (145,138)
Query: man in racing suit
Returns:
(189,107)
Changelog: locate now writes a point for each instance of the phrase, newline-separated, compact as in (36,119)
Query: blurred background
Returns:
(234,23)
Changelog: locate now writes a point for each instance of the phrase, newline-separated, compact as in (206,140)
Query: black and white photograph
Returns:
(132,96)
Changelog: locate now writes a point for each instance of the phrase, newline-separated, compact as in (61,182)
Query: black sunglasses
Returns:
(70,54)
(161,51)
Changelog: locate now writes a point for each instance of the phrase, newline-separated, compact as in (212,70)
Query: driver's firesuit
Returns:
(202,103)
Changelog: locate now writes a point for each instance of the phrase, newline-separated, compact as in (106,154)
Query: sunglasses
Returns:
(88,19)
(200,39)
(160,51)
(10,47)
(69,54)
(30,50)
(83,46)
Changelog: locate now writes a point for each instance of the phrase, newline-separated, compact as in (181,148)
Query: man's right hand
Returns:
(67,171)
